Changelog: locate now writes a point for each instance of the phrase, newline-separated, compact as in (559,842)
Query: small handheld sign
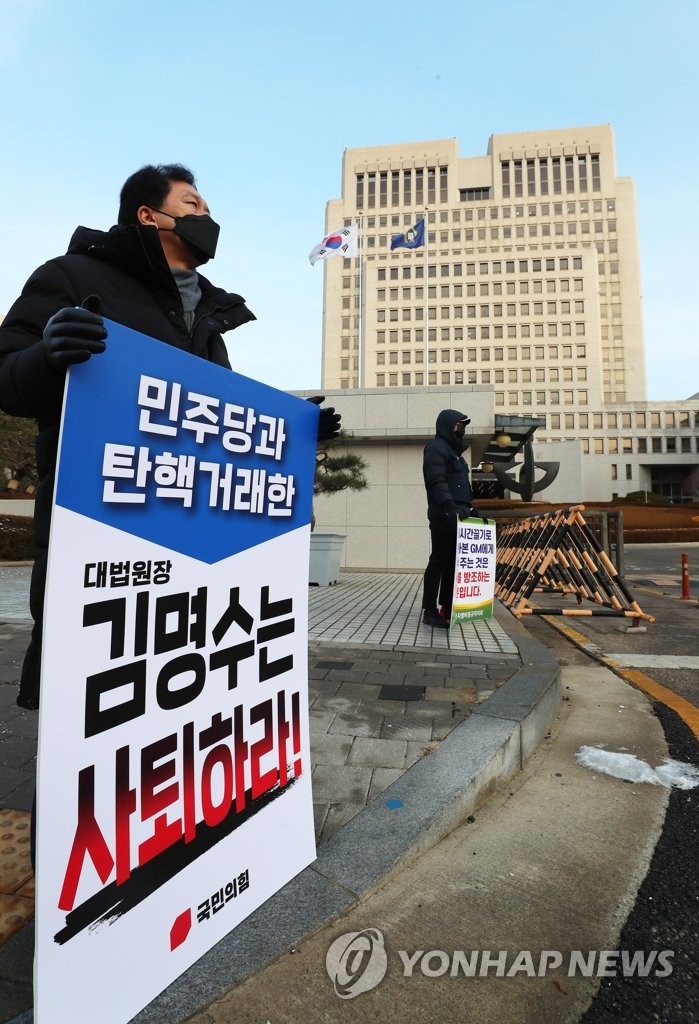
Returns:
(474,575)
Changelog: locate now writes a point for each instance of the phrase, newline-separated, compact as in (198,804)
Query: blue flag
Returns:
(412,239)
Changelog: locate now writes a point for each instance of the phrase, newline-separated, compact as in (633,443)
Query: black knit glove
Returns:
(73,334)
(328,421)
(473,513)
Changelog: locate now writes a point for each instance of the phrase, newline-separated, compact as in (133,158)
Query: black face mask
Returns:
(199,232)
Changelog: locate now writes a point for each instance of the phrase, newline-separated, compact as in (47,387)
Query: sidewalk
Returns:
(410,729)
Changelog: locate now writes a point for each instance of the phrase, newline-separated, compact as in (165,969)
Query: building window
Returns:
(594,163)
(383,188)
(471,195)
(582,172)
(614,471)
(531,178)
(518,177)
(629,471)
(431,192)
(656,445)
(419,186)
(505,168)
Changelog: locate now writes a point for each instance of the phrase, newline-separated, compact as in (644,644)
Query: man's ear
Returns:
(146,216)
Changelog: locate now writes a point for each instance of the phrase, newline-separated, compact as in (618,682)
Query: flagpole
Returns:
(427,344)
(360,321)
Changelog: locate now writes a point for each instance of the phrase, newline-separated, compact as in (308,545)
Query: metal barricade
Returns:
(558,552)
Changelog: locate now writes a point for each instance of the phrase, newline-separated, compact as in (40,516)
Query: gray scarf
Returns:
(187,282)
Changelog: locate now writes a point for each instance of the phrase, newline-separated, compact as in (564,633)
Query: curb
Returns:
(414,813)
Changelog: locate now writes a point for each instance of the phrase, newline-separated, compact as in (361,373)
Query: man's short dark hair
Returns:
(149,187)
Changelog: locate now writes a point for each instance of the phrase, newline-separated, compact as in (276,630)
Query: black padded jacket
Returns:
(444,470)
(127,269)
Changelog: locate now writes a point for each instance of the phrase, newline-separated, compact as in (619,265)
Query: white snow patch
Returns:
(632,769)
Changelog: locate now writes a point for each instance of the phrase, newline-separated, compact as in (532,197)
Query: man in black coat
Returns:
(141,273)
(448,495)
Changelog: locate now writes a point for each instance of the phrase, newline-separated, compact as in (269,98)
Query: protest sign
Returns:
(474,575)
(174,791)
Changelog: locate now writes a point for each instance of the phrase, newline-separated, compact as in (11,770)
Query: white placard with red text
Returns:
(174,791)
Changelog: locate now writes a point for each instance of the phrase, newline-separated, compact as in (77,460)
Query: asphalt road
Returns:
(666,912)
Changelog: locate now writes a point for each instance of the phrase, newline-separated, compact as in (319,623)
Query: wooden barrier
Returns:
(556,552)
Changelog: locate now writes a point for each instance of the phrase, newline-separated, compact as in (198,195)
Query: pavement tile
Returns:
(8,697)
(25,724)
(17,787)
(415,750)
(335,703)
(360,723)
(17,751)
(320,719)
(320,812)
(327,749)
(359,691)
(337,816)
(378,753)
(339,784)
(440,730)
(400,729)
(381,779)
(342,676)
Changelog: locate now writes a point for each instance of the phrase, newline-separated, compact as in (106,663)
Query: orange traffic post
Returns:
(685,577)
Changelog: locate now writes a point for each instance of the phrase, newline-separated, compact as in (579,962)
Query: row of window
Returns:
(484,268)
(515,398)
(483,289)
(552,374)
(537,176)
(408,187)
(642,445)
(565,329)
(393,273)
(494,234)
(514,354)
(567,209)
(483,310)
(682,420)
(456,334)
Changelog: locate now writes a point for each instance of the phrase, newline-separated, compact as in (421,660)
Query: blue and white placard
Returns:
(174,791)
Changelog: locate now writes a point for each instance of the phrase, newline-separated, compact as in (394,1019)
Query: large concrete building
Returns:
(529,285)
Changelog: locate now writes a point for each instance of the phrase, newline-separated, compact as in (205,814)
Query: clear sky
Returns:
(261,97)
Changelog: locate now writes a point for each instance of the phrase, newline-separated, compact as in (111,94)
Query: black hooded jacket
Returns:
(127,269)
(445,472)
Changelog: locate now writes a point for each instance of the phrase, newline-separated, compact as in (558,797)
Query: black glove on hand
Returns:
(328,421)
(73,334)
(473,513)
